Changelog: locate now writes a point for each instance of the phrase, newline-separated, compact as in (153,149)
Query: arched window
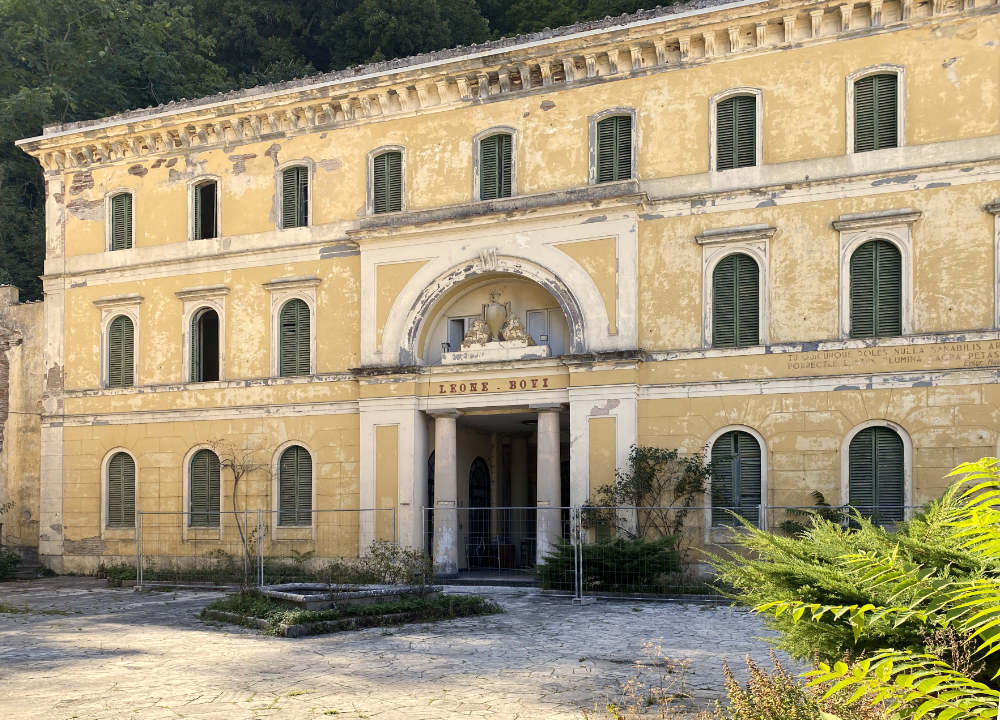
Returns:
(295,487)
(495,166)
(614,148)
(294,331)
(205,489)
(876,474)
(736,302)
(876,290)
(295,196)
(205,346)
(876,116)
(736,132)
(736,478)
(121,491)
(387,182)
(121,221)
(121,352)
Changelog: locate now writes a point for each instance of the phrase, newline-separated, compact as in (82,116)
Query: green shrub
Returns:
(618,565)
(8,563)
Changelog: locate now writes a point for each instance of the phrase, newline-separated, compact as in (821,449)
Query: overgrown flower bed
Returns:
(252,609)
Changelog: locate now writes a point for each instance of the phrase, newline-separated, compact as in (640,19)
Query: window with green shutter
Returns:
(121,221)
(205,489)
(875,112)
(736,478)
(121,352)
(205,346)
(495,167)
(736,302)
(736,132)
(295,197)
(387,182)
(293,329)
(876,473)
(876,290)
(295,487)
(121,491)
(614,149)
(205,210)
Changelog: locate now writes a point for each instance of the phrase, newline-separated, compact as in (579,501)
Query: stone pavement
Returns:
(87,651)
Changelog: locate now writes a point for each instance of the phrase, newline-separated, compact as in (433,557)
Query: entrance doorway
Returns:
(478,544)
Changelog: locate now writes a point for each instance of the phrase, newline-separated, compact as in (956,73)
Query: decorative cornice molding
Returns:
(663,43)
(119,301)
(745,233)
(292,283)
(202,293)
(993,207)
(885,218)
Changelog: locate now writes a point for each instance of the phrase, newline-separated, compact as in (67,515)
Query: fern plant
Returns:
(915,684)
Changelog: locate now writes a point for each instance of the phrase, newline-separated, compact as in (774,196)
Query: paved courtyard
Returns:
(83,650)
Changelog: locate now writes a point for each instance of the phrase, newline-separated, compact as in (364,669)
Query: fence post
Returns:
(763,516)
(395,540)
(260,547)
(577,536)
(138,550)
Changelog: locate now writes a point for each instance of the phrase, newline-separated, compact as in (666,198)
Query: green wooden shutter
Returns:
(875,113)
(121,491)
(387,182)
(295,487)
(875,474)
(121,352)
(294,197)
(294,339)
(736,478)
(876,290)
(196,219)
(494,167)
(736,302)
(614,148)
(205,489)
(197,348)
(121,221)
(736,132)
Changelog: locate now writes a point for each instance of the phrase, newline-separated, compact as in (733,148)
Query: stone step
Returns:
(28,571)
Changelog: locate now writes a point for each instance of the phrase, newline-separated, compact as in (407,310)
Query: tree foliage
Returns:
(69,60)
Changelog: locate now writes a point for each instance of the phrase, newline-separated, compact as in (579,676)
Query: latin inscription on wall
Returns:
(903,357)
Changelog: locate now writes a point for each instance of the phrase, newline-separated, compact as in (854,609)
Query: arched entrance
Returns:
(478,547)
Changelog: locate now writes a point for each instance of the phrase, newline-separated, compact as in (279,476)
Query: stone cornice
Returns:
(885,218)
(119,301)
(746,233)
(203,293)
(667,42)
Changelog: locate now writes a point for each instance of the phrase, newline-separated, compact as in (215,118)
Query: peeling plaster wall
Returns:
(22,337)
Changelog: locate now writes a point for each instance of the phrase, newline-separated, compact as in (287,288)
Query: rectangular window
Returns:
(875,113)
(736,132)
(295,197)
(458,328)
(205,211)
(614,148)
(121,221)
(548,322)
(387,182)
(495,167)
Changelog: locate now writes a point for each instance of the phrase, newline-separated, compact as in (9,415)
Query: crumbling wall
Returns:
(22,338)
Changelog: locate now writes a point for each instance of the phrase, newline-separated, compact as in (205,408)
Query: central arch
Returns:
(421,309)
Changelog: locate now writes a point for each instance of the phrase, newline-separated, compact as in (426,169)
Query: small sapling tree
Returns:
(242,461)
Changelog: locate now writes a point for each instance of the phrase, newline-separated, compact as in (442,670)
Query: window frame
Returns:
(855,230)
(718,244)
(370,179)
(593,121)
(845,462)
(282,291)
(719,533)
(477,161)
(109,222)
(291,531)
(118,532)
(193,301)
(713,128)
(111,308)
(310,167)
(882,69)
(192,189)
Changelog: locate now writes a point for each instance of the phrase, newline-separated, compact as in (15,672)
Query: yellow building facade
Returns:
(750,222)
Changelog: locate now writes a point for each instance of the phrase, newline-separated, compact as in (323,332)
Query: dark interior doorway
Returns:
(478,548)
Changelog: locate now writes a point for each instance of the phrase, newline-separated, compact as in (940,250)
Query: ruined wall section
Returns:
(22,339)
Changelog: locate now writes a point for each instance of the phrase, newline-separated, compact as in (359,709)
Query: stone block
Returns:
(955,395)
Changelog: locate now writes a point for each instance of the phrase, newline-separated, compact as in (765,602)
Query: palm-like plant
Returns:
(913,684)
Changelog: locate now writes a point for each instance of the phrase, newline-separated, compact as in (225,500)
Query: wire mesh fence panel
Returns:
(322,545)
(793,520)
(182,547)
(495,542)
